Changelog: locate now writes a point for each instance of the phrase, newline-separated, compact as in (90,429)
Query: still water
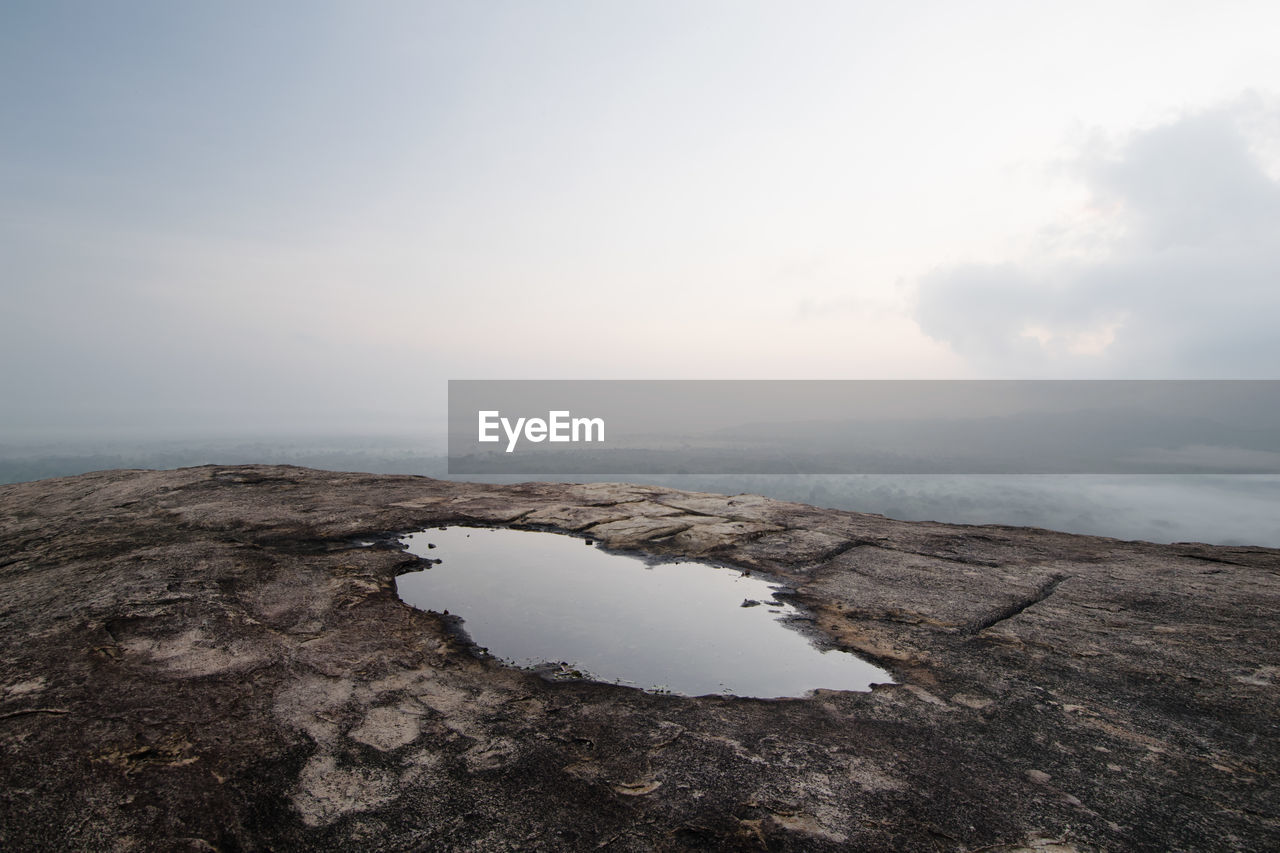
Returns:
(535,598)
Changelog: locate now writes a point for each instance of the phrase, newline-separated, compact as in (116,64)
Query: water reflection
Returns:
(685,627)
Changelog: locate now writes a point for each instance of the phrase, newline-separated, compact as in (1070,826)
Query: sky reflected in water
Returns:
(532,598)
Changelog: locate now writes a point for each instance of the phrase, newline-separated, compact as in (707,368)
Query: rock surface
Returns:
(208,659)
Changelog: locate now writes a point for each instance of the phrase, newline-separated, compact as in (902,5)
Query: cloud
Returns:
(1174,268)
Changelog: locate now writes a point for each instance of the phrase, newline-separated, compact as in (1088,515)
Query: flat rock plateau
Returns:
(209,659)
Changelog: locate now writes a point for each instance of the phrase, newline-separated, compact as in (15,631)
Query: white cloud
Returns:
(1171,269)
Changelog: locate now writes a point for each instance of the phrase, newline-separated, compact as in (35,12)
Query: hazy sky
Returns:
(254,215)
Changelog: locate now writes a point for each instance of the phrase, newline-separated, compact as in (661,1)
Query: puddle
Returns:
(534,599)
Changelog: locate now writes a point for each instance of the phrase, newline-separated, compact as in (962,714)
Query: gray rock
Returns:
(216,658)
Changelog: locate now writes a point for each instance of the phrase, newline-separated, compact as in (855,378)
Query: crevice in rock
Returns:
(25,711)
(1215,560)
(608,504)
(1008,612)
(835,552)
(519,518)
(695,512)
(952,558)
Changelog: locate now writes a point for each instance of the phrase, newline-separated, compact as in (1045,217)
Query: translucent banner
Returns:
(633,427)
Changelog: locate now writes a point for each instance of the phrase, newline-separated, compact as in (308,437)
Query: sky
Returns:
(307,216)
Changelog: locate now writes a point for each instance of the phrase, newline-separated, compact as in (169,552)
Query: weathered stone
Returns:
(211,659)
